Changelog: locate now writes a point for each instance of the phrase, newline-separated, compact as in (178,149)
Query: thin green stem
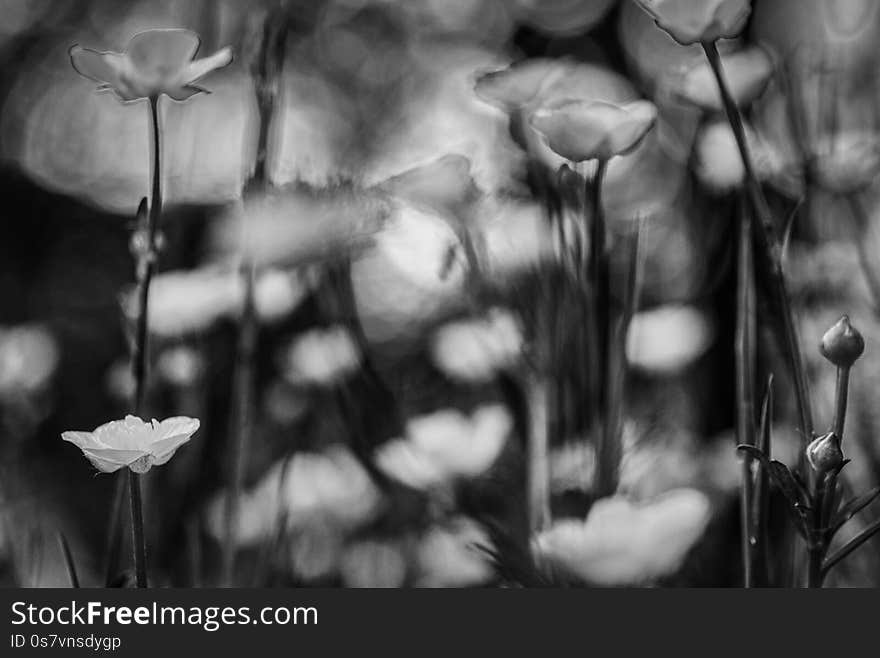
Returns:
(770,243)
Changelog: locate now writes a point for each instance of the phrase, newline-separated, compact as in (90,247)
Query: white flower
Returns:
(373,564)
(667,339)
(133,443)
(585,130)
(848,161)
(321,356)
(180,365)
(746,71)
(474,350)
(28,357)
(454,556)
(155,62)
(693,21)
(446,445)
(326,488)
(622,543)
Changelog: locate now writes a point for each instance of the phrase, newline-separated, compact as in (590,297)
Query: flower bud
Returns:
(842,344)
(824,453)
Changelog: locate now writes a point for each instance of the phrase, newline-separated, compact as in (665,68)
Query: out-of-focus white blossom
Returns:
(373,564)
(180,365)
(563,17)
(622,543)
(572,467)
(329,487)
(746,71)
(28,358)
(848,161)
(315,550)
(587,130)
(454,555)
(321,357)
(667,339)
(693,21)
(476,349)
(409,275)
(446,445)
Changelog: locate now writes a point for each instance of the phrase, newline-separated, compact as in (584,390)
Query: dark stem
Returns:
(607,453)
(850,546)
(145,269)
(841,397)
(266,70)
(770,243)
(68,560)
(745,363)
(137,529)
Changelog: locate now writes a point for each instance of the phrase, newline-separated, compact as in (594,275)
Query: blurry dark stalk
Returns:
(759,539)
(607,444)
(68,560)
(745,394)
(771,246)
(266,68)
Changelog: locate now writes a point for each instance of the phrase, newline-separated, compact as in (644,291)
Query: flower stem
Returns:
(745,363)
(770,243)
(138,543)
(146,266)
(607,452)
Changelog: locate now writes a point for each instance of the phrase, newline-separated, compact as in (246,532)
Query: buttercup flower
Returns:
(693,21)
(622,543)
(133,443)
(747,72)
(155,62)
(585,130)
(446,445)
(847,162)
(321,356)
(473,350)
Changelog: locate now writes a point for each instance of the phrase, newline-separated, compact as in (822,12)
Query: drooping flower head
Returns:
(587,130)
(693,21)
(133,443)
(154,62)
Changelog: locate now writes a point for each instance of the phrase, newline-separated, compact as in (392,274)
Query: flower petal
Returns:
(162,52)
(199,68)
(104,67)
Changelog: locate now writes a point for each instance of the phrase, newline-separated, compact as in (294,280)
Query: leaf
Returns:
(794,491)
(850,546)
(68,560)
(851,508)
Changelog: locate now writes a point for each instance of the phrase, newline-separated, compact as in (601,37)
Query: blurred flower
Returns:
(622,543)
(444,185)
(186,301)
(586,130)
(119,381)
(747,72)
(848,161)
(133,443)
(667,339)
(306,490)
(409,276)
(520,84)
(693,21)
(564,17)
(373,564)
(315,550)
(28,357)
(180,365)
(295,226)
(155,62)
(454,555)
(446,445)
(572,467)
(842,344)
(719,165)
(475,349)
(321,357)
(514,235)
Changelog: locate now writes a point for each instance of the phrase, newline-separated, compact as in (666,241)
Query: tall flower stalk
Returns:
(155,62)
(266,67)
